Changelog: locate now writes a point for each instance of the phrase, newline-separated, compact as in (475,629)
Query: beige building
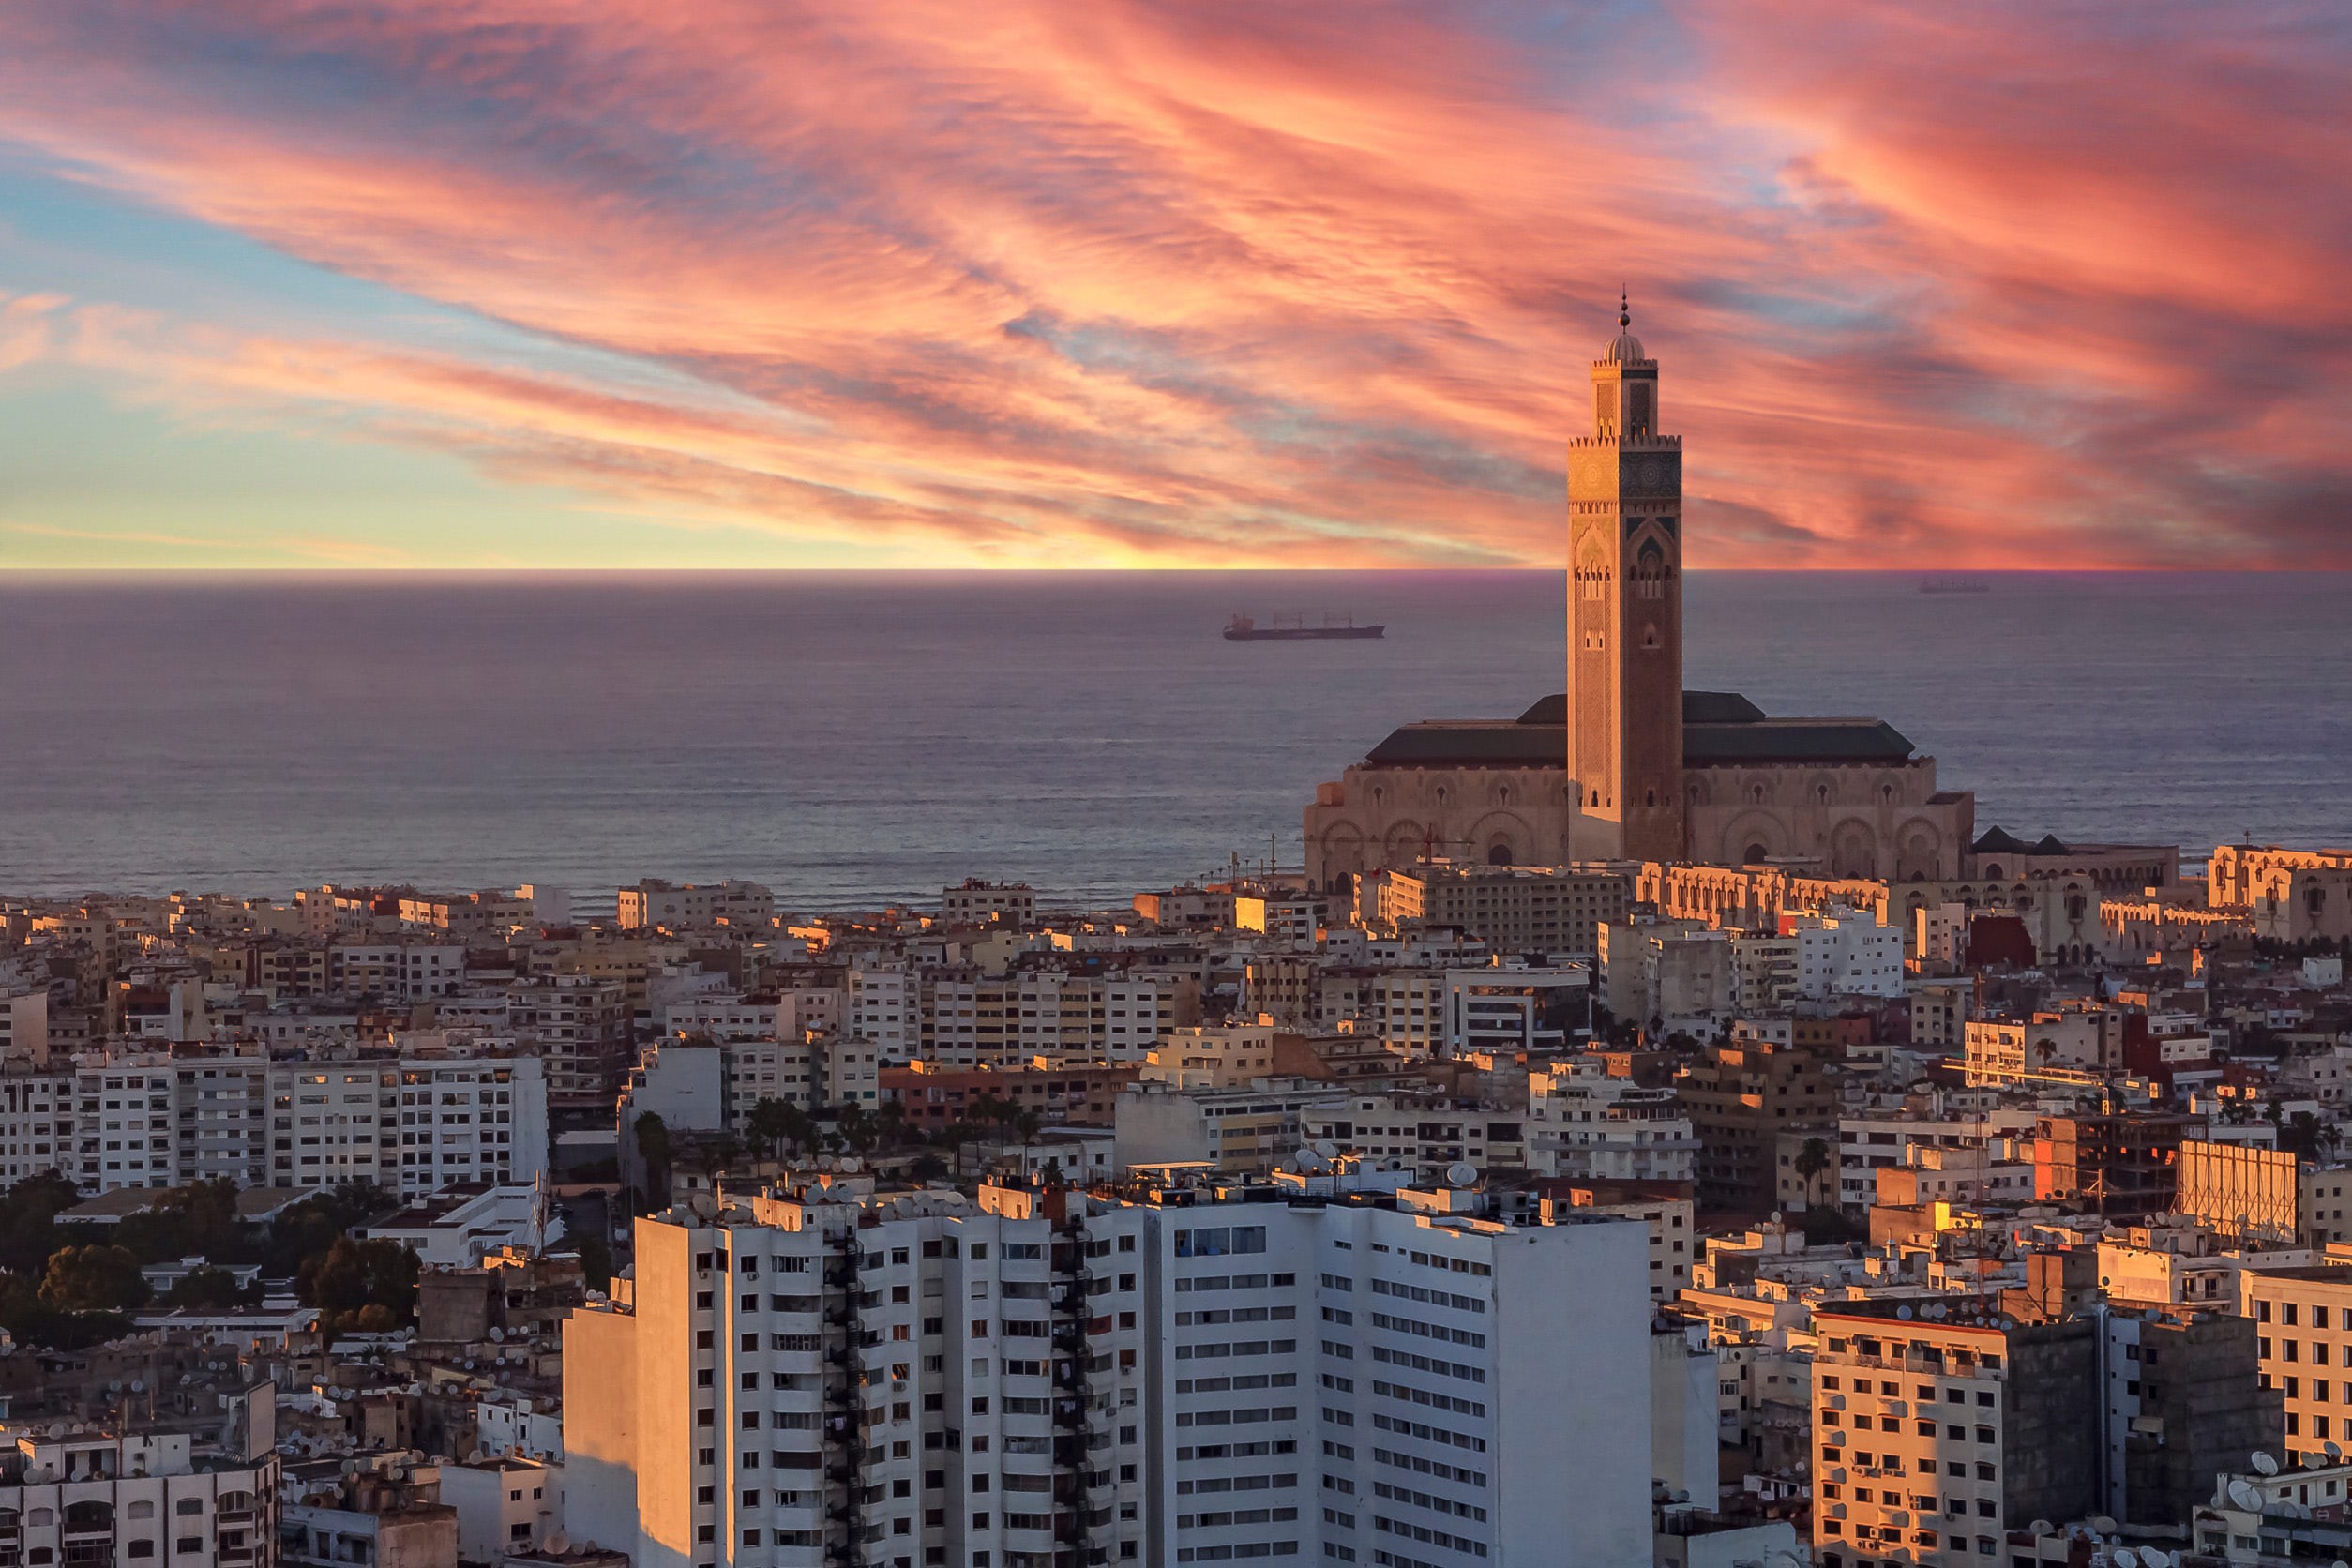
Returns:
(2303,1323)
(1512,909)
(1625,763)
(2290,894)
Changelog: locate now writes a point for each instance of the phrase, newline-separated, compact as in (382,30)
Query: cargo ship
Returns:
(1241,629)
(1955,586)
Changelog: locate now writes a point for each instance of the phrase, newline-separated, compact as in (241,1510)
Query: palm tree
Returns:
(1812,1158)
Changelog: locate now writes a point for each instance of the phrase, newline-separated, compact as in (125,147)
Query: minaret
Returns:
(1625,613)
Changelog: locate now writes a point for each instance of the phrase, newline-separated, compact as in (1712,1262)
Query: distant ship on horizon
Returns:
(1955,586)
(1241,629)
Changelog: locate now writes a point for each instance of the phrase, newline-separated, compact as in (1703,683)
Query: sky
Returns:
(1167,283)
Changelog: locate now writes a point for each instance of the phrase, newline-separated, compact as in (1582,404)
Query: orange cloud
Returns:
(1121,282)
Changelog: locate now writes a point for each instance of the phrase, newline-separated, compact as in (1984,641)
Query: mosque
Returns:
(1627,764)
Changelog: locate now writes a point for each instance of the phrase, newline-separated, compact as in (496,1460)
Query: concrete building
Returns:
(2112,1165)
(1668,977)
(2302,1320)
(656,903)
(1512,909)
(1512,1009)
(1936,1435)
(975,902)
(582,1024)
(1741,1097)
(503,1504)
(1585,1123)
(1423,1132)
(1846,954)
(383,1513)
(98,1497)
(1201,1375)
(24,1024)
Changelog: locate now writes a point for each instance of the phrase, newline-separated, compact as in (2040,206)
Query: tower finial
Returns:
(1624,311)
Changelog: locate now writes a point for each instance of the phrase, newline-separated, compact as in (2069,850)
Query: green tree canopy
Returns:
(92,1279)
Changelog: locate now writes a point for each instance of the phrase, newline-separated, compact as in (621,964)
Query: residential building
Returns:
(1740,1097)
(656,903)
(975,902)
(1202,1374)
(1512,909)
(1585,1123)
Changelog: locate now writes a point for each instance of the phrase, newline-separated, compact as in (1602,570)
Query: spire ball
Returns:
(1624,348)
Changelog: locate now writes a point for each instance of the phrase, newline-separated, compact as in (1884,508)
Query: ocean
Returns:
(850,739)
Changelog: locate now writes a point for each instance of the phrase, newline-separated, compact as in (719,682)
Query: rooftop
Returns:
(1719,728)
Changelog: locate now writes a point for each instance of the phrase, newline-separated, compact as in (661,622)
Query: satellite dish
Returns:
(1904,1313)
(2244,1496)
(1461,1173)
(1324,1147)
(2335,1451)
(137,1385)
(559,1543)
(2126,1558)
(498,1336)
(2264,1463)
(2041,1527)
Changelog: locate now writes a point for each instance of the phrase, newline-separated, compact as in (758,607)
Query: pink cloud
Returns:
(1133,282)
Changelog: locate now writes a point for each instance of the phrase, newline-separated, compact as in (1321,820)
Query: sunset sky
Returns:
(641,283)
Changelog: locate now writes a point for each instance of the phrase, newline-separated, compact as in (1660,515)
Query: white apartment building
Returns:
(891,1380)
(1886,1138)
(503,1504)
(1424,1133)
(1585,1125)
(36,1123)
(1765,972)
(1508,1008)
(1047,1380)
(410,970)
(1846,954)
(969,1019)
(1407,1007)
(885,1009)
(465,1120)
(98,1498)
(655,902)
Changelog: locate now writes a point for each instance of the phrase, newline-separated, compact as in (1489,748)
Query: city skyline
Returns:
(283,285)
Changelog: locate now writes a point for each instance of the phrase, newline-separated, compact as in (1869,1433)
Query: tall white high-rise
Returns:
(1204,1373)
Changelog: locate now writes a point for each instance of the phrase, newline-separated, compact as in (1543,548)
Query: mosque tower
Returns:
(1625,614)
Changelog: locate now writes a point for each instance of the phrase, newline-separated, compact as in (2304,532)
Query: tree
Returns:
(774,1121)
(858,1128)
(1813,1157)
(596,1259)
(28,1221)
(92,1279)
(352,1275)
(206,1290)
(653,1147)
